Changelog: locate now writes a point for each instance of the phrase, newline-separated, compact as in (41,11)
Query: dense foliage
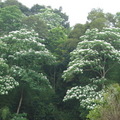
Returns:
(51,71)
(109,106)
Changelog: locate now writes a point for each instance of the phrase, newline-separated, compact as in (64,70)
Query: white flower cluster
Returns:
(7,83)
(35,55)
(17,71)
(87,95)
(110,35)
(90,34)
(22,35)
(25,45)
(98,80)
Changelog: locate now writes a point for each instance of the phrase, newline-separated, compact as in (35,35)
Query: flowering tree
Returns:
(25,57)
(110,35)
(91,55)
(25,51)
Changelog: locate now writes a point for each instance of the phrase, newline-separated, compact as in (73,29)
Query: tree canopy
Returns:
(51,71)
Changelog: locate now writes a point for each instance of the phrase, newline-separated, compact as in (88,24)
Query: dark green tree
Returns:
(10,19)
(39,26)
(97,19)
(65,22)
(22,7)
(78,30)
(37,9)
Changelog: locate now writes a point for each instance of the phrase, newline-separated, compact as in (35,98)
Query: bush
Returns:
(5,113)
(19,116)
(110,107)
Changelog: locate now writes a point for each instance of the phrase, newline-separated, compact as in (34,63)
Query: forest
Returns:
(52,71)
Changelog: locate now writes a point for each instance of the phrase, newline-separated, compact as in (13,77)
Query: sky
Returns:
(77,10)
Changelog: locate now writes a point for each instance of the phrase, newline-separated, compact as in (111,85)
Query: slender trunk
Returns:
(20,102)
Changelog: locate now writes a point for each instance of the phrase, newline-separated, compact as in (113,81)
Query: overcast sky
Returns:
(77,10)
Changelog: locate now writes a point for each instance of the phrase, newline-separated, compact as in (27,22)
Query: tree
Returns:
(95,13)
(97,19)
(37,9)
(35,23)
(22,7)
(26,57)
(110,35)
(56,36)
(111,19)
(10,19)
(93,56)
(90,56)
(78,30)
(51,19)
(65,22)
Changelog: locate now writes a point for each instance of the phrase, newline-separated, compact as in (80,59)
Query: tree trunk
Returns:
(20,102)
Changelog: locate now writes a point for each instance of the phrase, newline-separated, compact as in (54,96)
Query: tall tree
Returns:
(37,24)
(97,19)
(10,19)
(94,56)
(22,7)
(26,57)
(65,22)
